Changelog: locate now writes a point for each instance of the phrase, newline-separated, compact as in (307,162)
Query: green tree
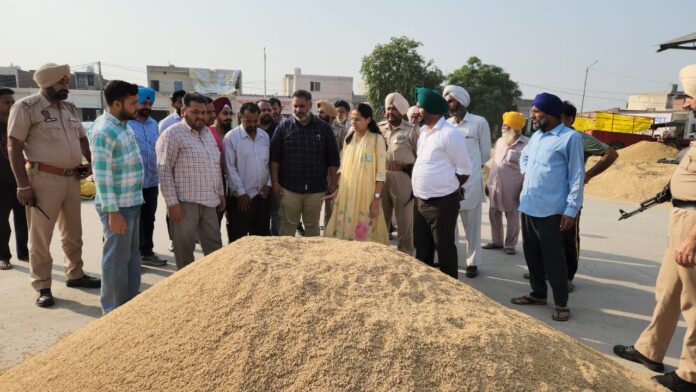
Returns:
(491,89)
(397,66)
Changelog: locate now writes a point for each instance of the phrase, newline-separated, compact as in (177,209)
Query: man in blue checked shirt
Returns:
(145,130)
(551,197)
(118,175)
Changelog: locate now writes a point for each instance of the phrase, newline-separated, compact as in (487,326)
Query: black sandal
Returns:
(560,314)
(528,300)
(5,265)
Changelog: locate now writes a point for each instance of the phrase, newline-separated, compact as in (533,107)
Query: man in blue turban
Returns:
(146,133)
(554,174)
(441,167)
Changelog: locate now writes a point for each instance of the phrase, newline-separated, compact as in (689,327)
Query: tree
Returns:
(397,66)
(491,90)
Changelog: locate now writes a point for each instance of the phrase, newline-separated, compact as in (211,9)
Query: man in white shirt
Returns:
(175,116)
(441,167)
(247,150)
(477,134)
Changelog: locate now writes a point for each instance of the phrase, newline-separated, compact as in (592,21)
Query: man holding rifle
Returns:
(675,290)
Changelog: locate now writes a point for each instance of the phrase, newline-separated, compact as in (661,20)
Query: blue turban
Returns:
(549,104)
(145,93)
(431,101)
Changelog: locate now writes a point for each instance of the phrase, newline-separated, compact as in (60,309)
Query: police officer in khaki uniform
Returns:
(401,138)
(46,144)
(675,290)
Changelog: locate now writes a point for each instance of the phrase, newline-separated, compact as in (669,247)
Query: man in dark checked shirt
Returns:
(303,149)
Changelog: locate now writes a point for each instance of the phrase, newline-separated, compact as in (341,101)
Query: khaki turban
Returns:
(687,77)
(399,102)
(49,74)
(327,108)
(458,93)
(412,110)
(514,120)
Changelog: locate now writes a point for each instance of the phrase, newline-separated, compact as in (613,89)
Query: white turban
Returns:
(687,78)
(399,102)
(412,110)
(459,93)
(49,74)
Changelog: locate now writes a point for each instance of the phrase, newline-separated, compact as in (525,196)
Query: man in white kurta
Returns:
(477,133)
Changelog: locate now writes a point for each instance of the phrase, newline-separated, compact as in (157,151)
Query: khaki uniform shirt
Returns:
(683,182)
(402,142)
(51,132)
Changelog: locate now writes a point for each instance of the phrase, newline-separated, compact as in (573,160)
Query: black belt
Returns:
(684,204)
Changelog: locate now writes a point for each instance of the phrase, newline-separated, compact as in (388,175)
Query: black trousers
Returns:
(9,203)
(252,222)
(545,255)
(147,220)
(571,240)
(434,230)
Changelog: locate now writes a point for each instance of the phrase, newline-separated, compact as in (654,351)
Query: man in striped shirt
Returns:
(118,176)
(188,166)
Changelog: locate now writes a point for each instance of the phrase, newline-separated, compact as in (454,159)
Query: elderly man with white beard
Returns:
(505,184)
(477,133)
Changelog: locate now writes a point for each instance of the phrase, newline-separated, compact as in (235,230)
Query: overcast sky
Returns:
(544,45)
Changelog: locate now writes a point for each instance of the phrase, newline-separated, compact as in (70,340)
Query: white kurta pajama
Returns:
(477,133)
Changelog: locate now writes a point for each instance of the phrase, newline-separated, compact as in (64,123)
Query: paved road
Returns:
(611,305)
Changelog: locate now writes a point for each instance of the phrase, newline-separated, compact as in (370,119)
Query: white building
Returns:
(330,88)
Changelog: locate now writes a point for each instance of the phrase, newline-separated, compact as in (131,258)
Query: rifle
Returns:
(664,195)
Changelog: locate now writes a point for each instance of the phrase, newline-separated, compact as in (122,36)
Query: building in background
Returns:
(330,88)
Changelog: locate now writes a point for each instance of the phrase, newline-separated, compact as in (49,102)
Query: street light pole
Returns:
(264,72)
(584,87)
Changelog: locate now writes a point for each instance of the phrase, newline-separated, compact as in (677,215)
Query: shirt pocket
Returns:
(513,156)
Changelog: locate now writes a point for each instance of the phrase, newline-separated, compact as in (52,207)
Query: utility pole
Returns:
(101,87)
(587,70)
(264,72)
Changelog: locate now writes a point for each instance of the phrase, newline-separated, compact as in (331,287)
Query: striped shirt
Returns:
(116,162)
(188,166)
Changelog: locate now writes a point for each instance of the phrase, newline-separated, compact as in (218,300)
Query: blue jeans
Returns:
(120,260)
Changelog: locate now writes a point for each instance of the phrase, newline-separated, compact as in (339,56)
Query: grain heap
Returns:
(636,175)
(269,314)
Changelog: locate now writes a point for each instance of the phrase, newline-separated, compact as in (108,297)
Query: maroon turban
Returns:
(220,102)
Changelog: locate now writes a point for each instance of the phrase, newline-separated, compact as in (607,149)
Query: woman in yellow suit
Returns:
(357,212)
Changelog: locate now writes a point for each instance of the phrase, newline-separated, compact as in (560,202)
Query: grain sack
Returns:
(315,314)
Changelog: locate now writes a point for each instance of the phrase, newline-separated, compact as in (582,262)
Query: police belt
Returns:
(53,170)
(684,204)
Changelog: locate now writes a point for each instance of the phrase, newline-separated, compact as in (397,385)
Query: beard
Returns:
(144,113)
(509,137)
(226,125)
(57,95)
(266,119)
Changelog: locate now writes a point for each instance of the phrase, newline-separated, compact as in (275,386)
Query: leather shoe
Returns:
(471,271)
(674,383)
(45,299)
(86,281)
(631,354)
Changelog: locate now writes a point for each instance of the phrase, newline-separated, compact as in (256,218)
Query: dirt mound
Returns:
(646,151)
(270,314)
(629,181)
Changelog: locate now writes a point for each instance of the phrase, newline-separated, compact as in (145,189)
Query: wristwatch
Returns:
(377,195)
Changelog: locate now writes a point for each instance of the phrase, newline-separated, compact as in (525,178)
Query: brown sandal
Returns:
(528,300)
(560,314)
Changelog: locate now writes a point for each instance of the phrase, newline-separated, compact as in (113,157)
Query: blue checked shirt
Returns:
(554,173)
(117,165)
(146,134)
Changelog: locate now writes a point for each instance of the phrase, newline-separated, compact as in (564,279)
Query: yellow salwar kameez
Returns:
(363,162)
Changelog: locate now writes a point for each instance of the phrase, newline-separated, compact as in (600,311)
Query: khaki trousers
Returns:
(59,198)
(198,222)
(675,292)
(301,205)
(396,193)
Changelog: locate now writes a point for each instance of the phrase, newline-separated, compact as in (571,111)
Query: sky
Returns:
(543,45)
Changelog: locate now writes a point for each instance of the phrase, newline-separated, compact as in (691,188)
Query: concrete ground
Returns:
(612,304)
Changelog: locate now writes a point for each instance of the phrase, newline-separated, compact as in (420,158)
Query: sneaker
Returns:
(153,260)
(85,281)
(471,271)
(674,383)
(45,299)
(631,354)
(171,246)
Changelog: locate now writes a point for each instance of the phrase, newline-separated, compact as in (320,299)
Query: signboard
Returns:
(220,82)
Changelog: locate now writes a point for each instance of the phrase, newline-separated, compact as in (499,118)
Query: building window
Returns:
(154,84)
(8,81)
(178,85)
(84,81)
(314,86)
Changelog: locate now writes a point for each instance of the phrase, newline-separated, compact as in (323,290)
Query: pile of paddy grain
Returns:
(636,175)
(271,314)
